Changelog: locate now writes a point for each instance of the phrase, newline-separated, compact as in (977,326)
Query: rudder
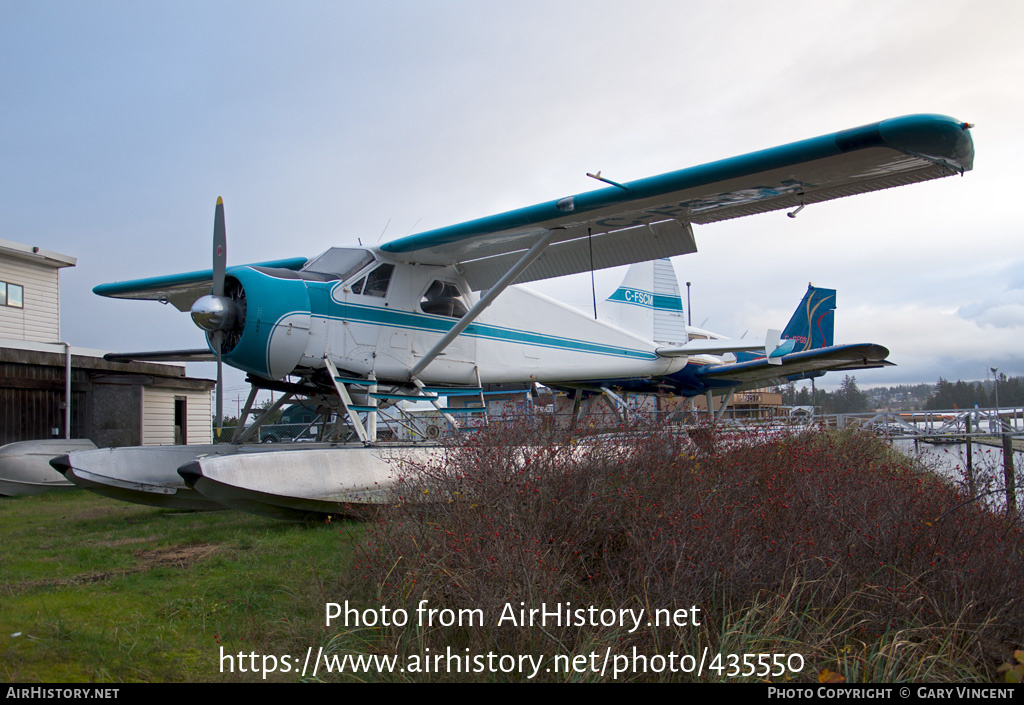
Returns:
(813,323)
(648,303)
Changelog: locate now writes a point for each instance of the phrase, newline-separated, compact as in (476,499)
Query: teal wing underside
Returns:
(650,218)
(180,290)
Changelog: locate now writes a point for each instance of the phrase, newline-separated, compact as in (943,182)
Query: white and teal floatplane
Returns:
(436,314)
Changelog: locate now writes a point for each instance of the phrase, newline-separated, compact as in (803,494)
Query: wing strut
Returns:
(725,404)
(510,276)
(615,402)
(240,423)
(251,430)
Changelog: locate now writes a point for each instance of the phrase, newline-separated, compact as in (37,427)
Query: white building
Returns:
(50,389)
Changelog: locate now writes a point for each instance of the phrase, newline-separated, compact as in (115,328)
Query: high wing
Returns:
(756,373)
(651,218)
(181,290)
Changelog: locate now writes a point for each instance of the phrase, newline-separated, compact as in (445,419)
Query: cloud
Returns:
(1003,311)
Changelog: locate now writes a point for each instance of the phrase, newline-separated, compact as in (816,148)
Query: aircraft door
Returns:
(359,311)
(444,302)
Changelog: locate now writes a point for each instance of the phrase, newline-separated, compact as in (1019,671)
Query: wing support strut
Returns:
(726,400)
(240,425)
(510,276)
(255,426)
(615,402)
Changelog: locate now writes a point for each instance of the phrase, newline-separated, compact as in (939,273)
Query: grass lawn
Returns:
(93,589)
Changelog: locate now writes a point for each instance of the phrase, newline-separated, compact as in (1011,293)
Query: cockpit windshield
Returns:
(341,262)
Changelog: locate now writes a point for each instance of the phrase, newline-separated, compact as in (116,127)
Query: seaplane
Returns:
(442,313)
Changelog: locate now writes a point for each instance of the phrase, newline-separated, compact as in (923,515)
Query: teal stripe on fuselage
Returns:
(408,320)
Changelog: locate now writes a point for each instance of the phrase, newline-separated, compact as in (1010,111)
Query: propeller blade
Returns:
(220,258)
(218,340)
(220,249)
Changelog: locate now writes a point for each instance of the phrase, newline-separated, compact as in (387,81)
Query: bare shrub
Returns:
(819,542)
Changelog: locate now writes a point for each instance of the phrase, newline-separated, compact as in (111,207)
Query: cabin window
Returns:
(12,295)
(376,282)
(443,299)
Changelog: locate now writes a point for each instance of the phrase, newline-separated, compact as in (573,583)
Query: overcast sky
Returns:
(323,122)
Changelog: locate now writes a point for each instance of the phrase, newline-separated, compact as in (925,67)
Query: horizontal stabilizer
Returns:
(710,347)
(199,355)
(794,365)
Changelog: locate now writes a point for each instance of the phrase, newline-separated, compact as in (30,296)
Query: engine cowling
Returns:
(265,320)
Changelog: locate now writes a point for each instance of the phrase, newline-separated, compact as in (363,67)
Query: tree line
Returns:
(942,395)
(848,399)
(964,395)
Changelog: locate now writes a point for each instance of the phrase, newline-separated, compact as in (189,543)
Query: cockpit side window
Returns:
(443,299)
(376,282)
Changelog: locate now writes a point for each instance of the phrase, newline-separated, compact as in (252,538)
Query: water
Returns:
(950,461)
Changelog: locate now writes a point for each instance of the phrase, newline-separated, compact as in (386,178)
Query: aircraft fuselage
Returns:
(383,318)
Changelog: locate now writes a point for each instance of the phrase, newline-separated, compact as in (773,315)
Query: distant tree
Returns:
(848,398)
(803,397)
(1011,392)
(789,394)
(942,396)
(263,406)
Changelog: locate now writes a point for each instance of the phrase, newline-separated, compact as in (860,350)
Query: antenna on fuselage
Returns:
(607,181)
(384,231)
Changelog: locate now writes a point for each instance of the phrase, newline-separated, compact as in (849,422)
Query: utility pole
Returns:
(689,313)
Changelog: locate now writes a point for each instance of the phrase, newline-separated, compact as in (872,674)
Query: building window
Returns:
(12,295)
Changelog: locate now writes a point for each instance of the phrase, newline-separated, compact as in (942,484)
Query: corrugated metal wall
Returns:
(31,398)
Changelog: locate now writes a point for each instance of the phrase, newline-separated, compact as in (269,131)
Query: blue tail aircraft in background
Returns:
(648,303)
(435,314)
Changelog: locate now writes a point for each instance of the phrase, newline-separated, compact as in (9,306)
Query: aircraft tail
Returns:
(648,303)
(813,322)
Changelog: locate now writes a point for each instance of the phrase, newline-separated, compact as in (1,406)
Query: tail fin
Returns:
(648,304)
(813,322)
